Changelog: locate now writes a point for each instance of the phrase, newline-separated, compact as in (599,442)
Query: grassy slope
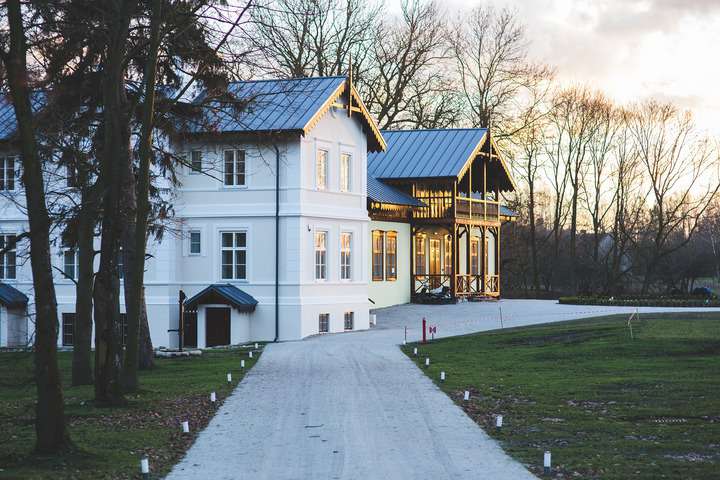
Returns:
(593,396)
(108,442)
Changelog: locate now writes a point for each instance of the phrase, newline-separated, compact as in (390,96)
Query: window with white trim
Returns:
(234,255)
(7,173)
(68,329)
(196,161)
(70,262)
(321,170)
(234,168)
(391,256)
(345,256)
(195,242)
(324,323)
(321,255)
(349,320)
(378,255)
(8,257)
(345,169)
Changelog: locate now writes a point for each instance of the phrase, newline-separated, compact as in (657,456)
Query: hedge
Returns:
(633,301)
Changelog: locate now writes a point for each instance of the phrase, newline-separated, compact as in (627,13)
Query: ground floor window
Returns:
(324,323)
(7,257)
(391,256)
(378,255)
(68,329)
(349,320)
(420,255)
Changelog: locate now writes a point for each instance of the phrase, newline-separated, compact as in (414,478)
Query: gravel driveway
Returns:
(352,406)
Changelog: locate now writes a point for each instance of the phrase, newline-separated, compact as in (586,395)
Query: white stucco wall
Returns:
(385,293)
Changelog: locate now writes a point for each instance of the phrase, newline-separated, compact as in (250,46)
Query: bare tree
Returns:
(680,168)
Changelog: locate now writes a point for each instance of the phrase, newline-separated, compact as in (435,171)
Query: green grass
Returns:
(597,399)
(109,442)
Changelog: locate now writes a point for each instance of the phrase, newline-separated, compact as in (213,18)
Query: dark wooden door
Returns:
(190,329)
(217,326)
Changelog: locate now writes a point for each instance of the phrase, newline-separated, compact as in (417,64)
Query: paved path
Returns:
(352,406)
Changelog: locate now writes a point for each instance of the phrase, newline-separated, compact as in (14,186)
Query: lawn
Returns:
(109,442)
(606,405)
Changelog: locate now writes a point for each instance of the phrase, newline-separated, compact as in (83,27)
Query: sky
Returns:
(631,49)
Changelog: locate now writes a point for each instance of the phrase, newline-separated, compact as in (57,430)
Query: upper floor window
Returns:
(71,176)
(345,169)
(378,255)
(7,173)
(234,255)
(8,270)
(345,256)
(234,168)
(320,255)
(195,242)
(196,161)
(70,262)
(391,256)
(321,170)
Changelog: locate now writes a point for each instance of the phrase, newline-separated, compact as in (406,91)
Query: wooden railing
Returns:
(428,282)
(492,284)
(472,208)
(468,284)
(441,206)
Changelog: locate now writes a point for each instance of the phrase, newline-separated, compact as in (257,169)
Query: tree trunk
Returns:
(146,359)
(115,162)
(82,368)
(139,203)
(50,428)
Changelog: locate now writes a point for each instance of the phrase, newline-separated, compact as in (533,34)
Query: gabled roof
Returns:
(294,105)
(8,122)
(506,212)
(223,293)
(425,153)
(377,191)
(11,297)
(438,153)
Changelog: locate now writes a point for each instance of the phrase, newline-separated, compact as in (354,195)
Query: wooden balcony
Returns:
(466,285)
(442,207)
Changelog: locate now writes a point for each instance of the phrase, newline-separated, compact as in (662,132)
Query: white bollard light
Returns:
(242,363)
(547,458)
(415,351)
(442,376)
(250,354)
(212,397)
(498,422)
(427,361)
(466,397)
(256,346)
(145,467)
(186,427)
(229,377)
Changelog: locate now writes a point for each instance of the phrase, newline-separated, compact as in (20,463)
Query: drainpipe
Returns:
(277,242)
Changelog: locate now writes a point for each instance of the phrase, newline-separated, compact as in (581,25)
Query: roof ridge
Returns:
(261,80)
(468,129)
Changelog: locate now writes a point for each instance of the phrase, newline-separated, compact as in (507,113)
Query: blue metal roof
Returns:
(224,293)
(379,192)
(8,122)
(272,105)
(11,297)
(506,212)
(424,153)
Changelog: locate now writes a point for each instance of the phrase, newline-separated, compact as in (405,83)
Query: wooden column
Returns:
(454,269)
(412,260)
(497,258)
(483,260)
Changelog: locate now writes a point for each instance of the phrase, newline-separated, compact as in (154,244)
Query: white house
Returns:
(262,256)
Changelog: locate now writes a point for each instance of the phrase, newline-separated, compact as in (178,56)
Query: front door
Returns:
(217,326)
(435,259)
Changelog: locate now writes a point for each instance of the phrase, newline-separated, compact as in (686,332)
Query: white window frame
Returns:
(345,171)
(346,266)
(6,173)
(321,269)
(235,162)
(190,242)
(76,267)
(234,248)
(325,170)
(352,321)
(193,171)
(324,319)
(12,253)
